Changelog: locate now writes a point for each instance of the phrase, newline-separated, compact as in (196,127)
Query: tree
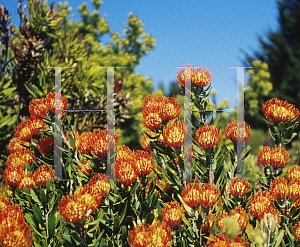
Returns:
(281,52)
(47,39)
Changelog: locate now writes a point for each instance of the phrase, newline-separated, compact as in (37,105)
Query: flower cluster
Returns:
(279,111)
(205,195)
(199,76)
(277,156)
(238,136)
(172,213)
(208,136)
(157,234)
(13,230)
(157,109)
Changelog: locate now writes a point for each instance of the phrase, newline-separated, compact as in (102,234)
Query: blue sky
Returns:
(203,33)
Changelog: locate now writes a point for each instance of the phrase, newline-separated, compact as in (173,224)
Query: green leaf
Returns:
(43,197)
(51,225)
(72,141)
(34,197)
(116,226)
(38,215)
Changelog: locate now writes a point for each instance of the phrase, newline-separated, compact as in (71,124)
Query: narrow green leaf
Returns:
(51,226)
(38,215)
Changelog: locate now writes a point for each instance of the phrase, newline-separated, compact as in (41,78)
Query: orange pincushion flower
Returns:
(45,145)
(151,103)
(201,77)
(99,142)
(271,212)
(293,172)
(99,184)
(279,110)
(208,136)
(191,194)
(172,213)
(183,75)
(209,195)
(152,120)
(26,130)
(239,187)
(264,156)
(42,174)
(211,219)
(13,230)
(231,131)
(126,169)
(241,217)
(279,188)
(19,159)
(37,109)
(27,181)
(144,162)
(221,240)
(49,101)
(175,134)
(297,230)
(279,157)
(157,234)
(15,145)
(169,108)
(221,220)
(294,189)
(139,236)
(13,175)
(260,202)
(84,142)
(78,206)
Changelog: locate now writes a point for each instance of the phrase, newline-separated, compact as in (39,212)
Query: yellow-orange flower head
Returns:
(27,181)
(13,175)
(37,109)
(174,134)
(209,195)
(191,194)
(15,145)
(172,213)
(279,188)
(144,162)
(221,240)
(126,170)
(76,207)
(19,159)
(260,203)
(49,101)
(208,136)
(152,120)
(293,172)
(201,77)
(169,108)
(294,189)
(42,174)
(238,187)
(25,131)
(13,230)
(297,230)
(271,212)
(279,157)
(85,142)
(231,131)
(157,234)
(183,75)
(241,217)
(264,156)
(279,110)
